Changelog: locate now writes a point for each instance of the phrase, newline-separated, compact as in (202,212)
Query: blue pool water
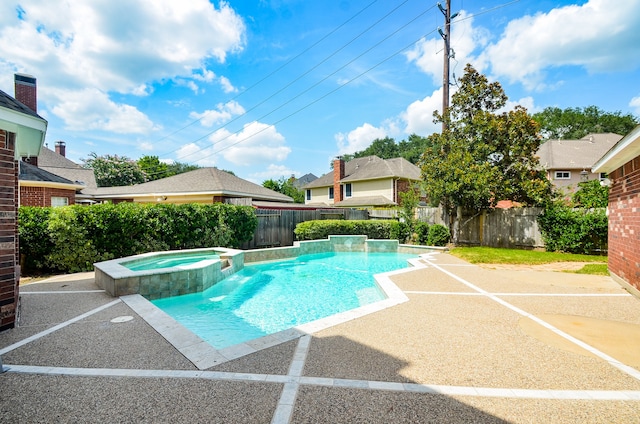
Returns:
(268,297)
(168,261)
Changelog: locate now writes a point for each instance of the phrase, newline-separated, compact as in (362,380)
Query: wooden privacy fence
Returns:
(275,227)
(512,228)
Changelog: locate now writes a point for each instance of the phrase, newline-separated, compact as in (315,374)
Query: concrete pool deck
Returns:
(470,345)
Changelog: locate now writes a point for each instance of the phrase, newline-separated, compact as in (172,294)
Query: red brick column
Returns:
(8,231)
(338,174)
(624,223)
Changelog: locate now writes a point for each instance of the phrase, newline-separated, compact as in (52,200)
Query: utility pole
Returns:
(446,36)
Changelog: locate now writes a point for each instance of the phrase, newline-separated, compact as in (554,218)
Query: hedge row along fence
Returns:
(574,230)
(422,233)
(72,238)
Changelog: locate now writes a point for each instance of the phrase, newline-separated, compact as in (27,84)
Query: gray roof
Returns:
(60,165)
(305,179)
(371,168)
(10,103)
(30,172)
(203,180)
(576,154)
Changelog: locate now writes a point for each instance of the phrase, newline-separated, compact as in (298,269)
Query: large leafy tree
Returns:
(153,168)
(176,168)
(286,187)
(575,123)
(114,170)
(387,148)
(484,155)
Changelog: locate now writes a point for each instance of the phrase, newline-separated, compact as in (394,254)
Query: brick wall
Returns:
(41,196)
(8,231)
(624,223)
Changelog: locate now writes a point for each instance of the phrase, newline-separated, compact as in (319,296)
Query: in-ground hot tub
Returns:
(157,275)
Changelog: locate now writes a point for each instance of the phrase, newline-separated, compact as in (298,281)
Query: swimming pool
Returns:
(269,297)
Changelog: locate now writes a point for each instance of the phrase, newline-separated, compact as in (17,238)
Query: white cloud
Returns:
(226,85)
(255,144)
(275,172)
(595,35)
(358,139)
(418,116)
(91,109)
(465,39)
(145,146)
(189,152)
(113,46)
(223,113)
(635,105)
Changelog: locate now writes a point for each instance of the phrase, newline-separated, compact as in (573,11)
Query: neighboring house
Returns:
(569,162)
(366,182)
(42,188)
(622,164)
(204,185)
(303,181)
(22,132)
(58,164)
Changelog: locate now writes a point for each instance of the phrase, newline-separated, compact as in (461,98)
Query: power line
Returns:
(336,29)
(318,82)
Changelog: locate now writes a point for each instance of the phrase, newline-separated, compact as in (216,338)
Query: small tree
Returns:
(114,170)
(153,168)
(591,194)
(286,187)
(483,156)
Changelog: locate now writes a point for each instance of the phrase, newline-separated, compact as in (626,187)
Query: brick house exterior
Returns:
(622,163)
(39,187)
(22,133)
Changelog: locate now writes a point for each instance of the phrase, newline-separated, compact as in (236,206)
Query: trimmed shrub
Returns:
(421,230)
(321,229)
(439,235)
(33,233)
(574,230)
(400,231)
(72,238)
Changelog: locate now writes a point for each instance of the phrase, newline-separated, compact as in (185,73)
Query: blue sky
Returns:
(271,88)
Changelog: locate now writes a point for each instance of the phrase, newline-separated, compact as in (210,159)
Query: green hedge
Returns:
(72,238)
(434,235)
(574,230)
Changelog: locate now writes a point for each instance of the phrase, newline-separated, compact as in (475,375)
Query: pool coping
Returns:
(203,355)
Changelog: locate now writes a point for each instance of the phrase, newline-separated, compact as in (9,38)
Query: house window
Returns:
(59,201)
(347,190)
(603,176)
(308,194)
(563,175)
(330,192)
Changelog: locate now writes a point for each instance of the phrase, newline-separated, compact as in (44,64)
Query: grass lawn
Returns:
(492,255)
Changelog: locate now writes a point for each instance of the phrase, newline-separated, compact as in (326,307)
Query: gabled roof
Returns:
(8,102)
(29,127)
(576,154)
(210,181)
(305,179)
(30,172)
(60,165)
(625,150)
(371,168)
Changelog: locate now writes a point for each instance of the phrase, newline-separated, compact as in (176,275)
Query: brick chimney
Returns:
(25,89)
(338,174)
(61,148)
